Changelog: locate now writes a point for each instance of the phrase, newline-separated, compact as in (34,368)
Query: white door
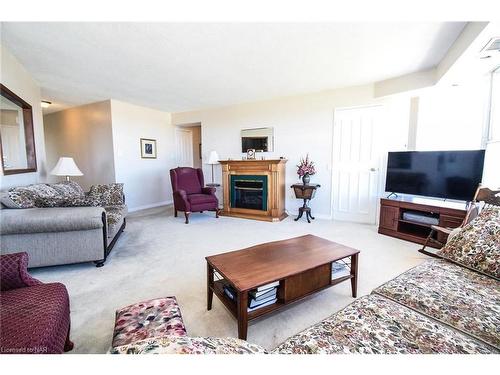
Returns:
(356,163)
(184,147)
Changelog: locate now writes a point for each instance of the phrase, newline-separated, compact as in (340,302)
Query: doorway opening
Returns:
(188,145)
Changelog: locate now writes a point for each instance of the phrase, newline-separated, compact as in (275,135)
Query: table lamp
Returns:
(213,159)
(66,167)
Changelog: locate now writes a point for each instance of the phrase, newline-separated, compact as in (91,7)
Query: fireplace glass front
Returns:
(249,191)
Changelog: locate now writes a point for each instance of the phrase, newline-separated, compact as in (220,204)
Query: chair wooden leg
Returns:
(429,238)
(186,214)
(175,213)
(217,213)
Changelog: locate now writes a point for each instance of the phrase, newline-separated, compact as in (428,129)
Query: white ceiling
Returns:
(185,66)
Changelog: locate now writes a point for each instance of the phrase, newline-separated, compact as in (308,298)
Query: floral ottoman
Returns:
(189,345)
(149,319)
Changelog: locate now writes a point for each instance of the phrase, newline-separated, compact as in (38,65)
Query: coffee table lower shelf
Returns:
(231,305)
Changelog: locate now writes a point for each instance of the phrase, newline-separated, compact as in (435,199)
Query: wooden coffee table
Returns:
(302,265)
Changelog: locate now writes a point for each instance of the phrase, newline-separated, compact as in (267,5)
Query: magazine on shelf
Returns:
(230,292)
(255,303)
(268,286)
(270,302)
(264,294)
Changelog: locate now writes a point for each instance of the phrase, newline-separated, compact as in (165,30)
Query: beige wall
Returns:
(147,181)
(15,77)
(83,133)
(302,124)
(104,140)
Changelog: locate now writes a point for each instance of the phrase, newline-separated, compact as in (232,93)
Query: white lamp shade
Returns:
(66,167)
(213,158)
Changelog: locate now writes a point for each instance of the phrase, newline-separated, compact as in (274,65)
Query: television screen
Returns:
(440,174)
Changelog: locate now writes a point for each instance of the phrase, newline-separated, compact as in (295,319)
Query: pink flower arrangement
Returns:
(305,167)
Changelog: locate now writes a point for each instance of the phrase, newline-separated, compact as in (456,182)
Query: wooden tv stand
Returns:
(391,223)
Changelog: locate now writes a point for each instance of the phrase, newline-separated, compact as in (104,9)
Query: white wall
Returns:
(18,80)
(147,181)
(491,176)
(83,133)
(451,118)
(302,124)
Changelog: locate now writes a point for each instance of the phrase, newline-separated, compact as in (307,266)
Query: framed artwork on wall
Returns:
(148,148)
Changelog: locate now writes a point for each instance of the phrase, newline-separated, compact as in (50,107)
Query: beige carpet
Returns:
(158,255)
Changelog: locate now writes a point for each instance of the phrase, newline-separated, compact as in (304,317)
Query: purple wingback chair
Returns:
(189,193)
(35,316)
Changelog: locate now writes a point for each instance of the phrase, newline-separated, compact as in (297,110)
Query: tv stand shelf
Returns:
(450,215)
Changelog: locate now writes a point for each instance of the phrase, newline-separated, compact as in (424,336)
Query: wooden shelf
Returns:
(391,221)
(265,310)
(338,280)
(416,223)
(218,289)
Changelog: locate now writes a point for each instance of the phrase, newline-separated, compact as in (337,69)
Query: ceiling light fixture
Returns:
(46,104)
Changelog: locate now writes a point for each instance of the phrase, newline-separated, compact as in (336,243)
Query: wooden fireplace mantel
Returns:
(274,169)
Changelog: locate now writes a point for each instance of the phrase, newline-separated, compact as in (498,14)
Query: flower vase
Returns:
(305,179)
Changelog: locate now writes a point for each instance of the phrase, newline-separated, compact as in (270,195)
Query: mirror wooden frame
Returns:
(29,133)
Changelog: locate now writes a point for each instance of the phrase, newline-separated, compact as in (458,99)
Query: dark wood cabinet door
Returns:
(389,217)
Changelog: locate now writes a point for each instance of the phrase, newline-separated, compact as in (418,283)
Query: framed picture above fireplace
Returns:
(258,139)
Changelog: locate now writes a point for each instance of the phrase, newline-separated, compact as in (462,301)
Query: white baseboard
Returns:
(152,205)
(323,217)
(316,216)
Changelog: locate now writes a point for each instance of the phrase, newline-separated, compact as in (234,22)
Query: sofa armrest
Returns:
(14,272)
(208,190)
(56,219)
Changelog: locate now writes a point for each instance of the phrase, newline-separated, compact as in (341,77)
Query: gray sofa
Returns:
(65,227)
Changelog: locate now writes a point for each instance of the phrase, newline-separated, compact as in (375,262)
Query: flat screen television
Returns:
(439,174)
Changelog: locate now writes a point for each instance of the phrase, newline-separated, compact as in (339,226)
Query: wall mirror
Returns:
(17,143)
(259,139)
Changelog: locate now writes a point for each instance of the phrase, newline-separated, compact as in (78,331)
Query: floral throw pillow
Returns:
(106,194)
(61,201)
(27,196)
(68,189)
(18,198)
(40,190)
(477,245)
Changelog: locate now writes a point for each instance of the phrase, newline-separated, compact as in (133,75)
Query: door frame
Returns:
(380,161)
(179,129)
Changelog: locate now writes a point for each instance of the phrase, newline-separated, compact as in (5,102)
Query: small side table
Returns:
(305,192)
